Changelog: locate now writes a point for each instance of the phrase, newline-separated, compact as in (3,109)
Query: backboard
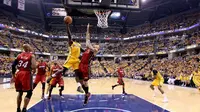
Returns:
(104,4)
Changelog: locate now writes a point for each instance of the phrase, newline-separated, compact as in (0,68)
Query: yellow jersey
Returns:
(74,51)
(158,76)
(196,78)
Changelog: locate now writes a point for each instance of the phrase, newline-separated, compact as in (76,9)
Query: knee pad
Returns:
(43,85)
(29,94)
(61,88)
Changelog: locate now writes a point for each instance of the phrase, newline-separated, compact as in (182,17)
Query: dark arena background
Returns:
(133,37)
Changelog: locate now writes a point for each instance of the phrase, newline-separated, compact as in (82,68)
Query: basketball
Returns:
(68,19)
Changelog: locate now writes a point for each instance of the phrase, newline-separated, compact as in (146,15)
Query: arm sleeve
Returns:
(14,66)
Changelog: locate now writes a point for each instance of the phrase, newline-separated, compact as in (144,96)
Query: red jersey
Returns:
(41,67)
(54,69)
(87,56)
(120,72)
(24,61)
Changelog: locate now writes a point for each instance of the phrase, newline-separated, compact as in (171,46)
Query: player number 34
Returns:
(22,64)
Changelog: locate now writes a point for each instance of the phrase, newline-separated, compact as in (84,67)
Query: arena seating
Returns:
(11,20)
(6,62)
(179,68)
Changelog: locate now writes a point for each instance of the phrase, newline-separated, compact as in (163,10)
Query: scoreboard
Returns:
(59,12)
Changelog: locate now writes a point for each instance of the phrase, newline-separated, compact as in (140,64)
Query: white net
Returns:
(102,16)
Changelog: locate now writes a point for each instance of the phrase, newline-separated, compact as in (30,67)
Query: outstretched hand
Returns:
(88,32)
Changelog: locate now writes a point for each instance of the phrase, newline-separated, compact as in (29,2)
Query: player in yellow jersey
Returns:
(72,59)
(196,77)
(158,81)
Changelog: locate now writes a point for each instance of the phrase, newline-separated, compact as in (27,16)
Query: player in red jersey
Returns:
(41,75)
(84,66)
(120,81)
(56,79)
(26,64)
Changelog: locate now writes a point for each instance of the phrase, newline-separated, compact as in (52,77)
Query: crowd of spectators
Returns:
(16,40)
(60,46)
(178,69)
(173,22)
(10,19)
(4,40)
(170,23)
(6,62)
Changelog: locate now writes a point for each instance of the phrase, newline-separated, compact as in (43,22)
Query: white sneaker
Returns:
(165,100)
(46,96)
(154,95)
(62,97)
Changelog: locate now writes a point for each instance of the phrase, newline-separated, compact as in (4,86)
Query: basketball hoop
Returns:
(102,16)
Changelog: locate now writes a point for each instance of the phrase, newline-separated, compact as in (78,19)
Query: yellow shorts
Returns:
(74,63)
(157,82)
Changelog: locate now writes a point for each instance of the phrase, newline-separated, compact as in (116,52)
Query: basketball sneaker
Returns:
(18,110)
(49,98)
(62,97)
(124,93)
(46,96)
(113,87)
(24,110)
(154,94)
(80,90)
(87,97)
(165,100)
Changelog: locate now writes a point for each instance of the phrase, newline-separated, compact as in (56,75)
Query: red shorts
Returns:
(58,81)
(40,78)
(120,81)
(84,69)
(23,81)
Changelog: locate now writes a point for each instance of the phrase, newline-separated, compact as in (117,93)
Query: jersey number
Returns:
(22,64)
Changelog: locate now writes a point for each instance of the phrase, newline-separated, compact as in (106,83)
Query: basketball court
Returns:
(104,99)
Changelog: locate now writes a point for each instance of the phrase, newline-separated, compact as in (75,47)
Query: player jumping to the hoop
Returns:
(72,59)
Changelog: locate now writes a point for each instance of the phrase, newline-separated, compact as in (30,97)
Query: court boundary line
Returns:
(35,103)
(152,102)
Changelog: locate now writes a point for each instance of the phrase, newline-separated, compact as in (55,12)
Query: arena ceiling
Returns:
(40,11)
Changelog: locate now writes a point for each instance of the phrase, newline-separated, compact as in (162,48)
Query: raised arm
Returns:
(88,43)
(69,35)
